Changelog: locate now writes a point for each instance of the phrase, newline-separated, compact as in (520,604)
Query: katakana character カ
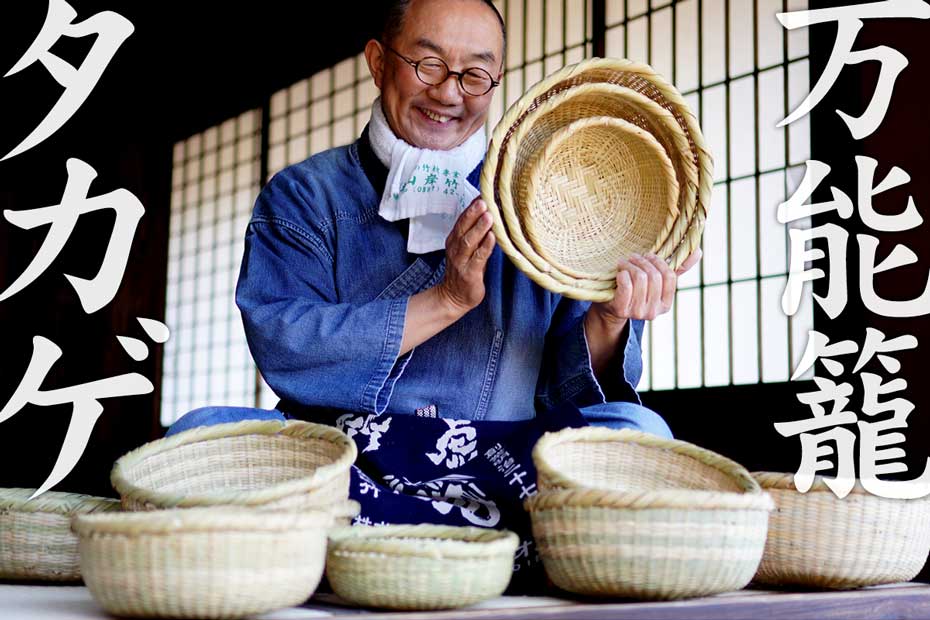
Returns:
(99,291)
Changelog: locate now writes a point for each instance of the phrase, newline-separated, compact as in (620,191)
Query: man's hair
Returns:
(395,10)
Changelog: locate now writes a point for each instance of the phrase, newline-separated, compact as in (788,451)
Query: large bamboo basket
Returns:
(36,542)
(817,539)
(626,513)
(264,464)
(419,567)
(649,545)
(201,562)
(572,93)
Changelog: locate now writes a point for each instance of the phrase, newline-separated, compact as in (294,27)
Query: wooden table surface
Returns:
(902,601)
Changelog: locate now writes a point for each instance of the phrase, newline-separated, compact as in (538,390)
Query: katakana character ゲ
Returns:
(110,30)
(848,23)
(85,398)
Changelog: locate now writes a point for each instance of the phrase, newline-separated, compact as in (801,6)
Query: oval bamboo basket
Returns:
(36,541)
(421,567)
(817,539)
(694,166)
(201,562)
(262,464)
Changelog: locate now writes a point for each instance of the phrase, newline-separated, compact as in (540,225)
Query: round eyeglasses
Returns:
(433,71)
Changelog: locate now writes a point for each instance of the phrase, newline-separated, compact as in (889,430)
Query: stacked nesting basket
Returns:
(625,513)
(596,162)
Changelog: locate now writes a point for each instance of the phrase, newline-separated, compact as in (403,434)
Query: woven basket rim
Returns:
(15,499)
(729,467)
(524,123)
(348,509)
(190,520)
(784,481)
(292,428)
(424,540)
(692,228)
(684,499)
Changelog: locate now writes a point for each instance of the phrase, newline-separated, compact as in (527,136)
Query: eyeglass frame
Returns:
(458,74)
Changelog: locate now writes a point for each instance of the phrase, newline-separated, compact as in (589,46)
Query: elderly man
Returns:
(361,293)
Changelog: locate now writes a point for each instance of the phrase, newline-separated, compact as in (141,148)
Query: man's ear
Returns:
(374,55)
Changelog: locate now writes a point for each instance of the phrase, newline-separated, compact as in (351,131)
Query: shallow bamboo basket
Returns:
(201,562)
(600,188)
(817,539)
(36,541)
(263,464)
(419,567)
(626,513)
(639,96)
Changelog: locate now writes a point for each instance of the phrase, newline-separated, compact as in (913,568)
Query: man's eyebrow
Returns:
(487,55)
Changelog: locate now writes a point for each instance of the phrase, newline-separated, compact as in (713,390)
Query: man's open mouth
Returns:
(435,116)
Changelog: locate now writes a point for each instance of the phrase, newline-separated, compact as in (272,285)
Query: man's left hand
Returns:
(646,288)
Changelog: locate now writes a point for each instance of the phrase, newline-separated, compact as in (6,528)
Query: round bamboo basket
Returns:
(690,157)
(419,567)
(36,541)
(201,562)
(263,464)
(600,188)
(646,545)
(817,539)
(634,462)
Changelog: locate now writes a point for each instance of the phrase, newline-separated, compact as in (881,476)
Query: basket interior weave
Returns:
(241,463)
(602,188)
(628,466)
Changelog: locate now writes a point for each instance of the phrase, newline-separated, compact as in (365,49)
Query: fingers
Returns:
(474,236)
(646,287)
(467,219)
(483,252)
(690,262)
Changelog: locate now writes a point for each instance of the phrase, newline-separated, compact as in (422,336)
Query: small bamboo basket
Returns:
(419,567)
(817,539)
(625,513)
(36,541)
(201,562)
(262,464)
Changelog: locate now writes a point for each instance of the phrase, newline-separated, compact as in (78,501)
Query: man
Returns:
(342,314)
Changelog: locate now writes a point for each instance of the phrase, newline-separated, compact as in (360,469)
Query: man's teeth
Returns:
(439,118)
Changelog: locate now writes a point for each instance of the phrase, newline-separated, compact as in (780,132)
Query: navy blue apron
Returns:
(414,469)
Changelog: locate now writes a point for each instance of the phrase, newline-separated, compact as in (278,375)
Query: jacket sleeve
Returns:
(566,374)
(310,349)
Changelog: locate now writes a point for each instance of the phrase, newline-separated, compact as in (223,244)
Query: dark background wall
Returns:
(189,66)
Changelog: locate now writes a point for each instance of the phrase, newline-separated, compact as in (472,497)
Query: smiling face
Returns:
(463,33)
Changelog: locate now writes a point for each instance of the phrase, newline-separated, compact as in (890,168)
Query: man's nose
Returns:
(448,92)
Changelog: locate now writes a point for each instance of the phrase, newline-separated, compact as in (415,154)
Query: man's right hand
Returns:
(468,248)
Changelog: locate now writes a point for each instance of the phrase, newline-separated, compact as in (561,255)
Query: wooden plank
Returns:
(903,602)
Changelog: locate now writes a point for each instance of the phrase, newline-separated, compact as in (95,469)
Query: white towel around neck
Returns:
(429,187)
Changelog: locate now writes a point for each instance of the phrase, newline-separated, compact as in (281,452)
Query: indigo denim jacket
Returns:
(323,292)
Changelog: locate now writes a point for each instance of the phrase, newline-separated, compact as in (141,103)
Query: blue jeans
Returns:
(612,415)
